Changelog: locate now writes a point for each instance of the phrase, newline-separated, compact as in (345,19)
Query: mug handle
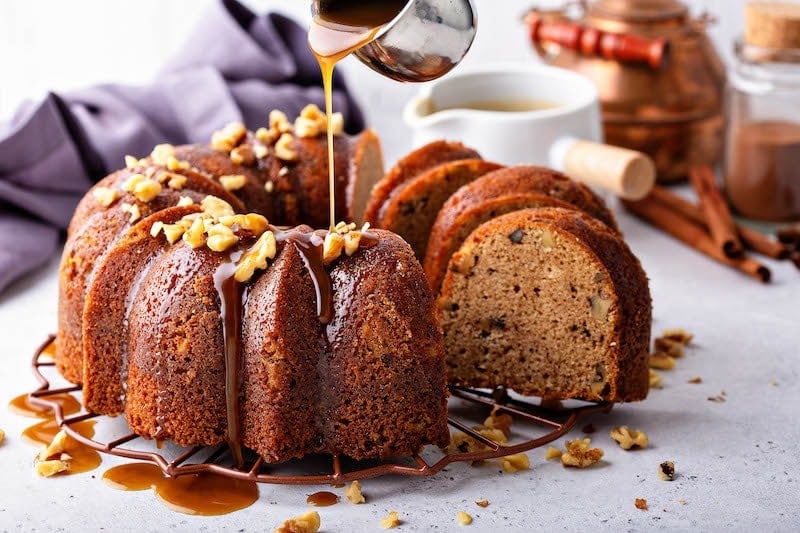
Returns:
(627,173)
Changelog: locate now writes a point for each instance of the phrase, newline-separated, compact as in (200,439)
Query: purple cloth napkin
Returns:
(236,67)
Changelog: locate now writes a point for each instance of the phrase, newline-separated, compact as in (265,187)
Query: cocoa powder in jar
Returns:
(762,178)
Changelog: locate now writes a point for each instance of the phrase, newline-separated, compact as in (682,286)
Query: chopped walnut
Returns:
(332,248)
(161,154)
(195,235)
(312,112)
(133,212)
(655,379)
(579,453)
(176,181)
(142,187)
(233,182)
(283,171)
(256,257)
(501,422)
(640,503)
(678,334)
(57,446)
(668,346)
(353,493)
(661,361)
(243,155)
(305,523)
(105,196)
(173,163)
(252,222)
(391,521)
(172,232)
(464,518)
(283,148)
(629,438)
(185,201)
(131,162)
(220,238)
(216,207)
(228,137)
(269,186)
(600,307)
(267,136)
(482,503)
(666,470)
(552,453)
(515,463)
(51,467)
(306,128)
(695,380)
(260,151)
(279,122)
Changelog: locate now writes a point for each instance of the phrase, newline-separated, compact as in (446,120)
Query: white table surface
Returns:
(736,461)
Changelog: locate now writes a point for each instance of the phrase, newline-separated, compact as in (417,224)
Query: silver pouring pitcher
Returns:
(423,42)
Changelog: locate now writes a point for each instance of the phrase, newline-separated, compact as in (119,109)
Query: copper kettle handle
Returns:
(621,47)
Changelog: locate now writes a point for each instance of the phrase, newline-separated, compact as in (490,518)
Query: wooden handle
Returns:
(627,173)
(589,41)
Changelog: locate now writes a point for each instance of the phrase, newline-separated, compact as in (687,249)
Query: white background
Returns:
(736,461)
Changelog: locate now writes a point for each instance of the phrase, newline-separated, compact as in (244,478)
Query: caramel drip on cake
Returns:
(317,249)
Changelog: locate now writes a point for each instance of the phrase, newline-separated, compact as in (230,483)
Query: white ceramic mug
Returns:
(566,136)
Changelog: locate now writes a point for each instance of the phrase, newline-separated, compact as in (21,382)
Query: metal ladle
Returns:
(423,42)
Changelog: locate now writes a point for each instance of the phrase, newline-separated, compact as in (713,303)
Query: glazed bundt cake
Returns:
(549,302)
(204,323)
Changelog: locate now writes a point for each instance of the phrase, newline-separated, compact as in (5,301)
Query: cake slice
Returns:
(416,162)
(497,193)
(548,302)
(411,208)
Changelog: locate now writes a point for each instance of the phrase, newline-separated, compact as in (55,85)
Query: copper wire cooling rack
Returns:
(534,426)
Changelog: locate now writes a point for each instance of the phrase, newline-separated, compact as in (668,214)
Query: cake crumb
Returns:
(640,503)
(515,463)
(391,521)
(482,503)
(773,382)
(695,380)
(464,518)
(666,470)
(719,398)
(580,454)
(552,453)
(353,492)
(629,438)
(304,523)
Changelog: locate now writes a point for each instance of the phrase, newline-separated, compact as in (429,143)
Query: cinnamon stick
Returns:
(752,239)
(694,235)
(715,209)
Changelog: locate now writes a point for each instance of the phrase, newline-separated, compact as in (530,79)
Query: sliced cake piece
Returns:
(548,302)
(412,207)
(497,193)
(420,160)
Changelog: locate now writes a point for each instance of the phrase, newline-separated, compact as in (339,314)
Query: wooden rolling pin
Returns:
(627,173)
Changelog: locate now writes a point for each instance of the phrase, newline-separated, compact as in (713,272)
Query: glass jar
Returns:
(762,148)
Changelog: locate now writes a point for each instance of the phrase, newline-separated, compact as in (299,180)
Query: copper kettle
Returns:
(660,80)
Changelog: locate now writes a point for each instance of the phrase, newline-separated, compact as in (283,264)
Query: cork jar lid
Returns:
(772,24)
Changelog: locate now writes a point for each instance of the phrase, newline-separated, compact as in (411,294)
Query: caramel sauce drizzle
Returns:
(322,498)
(205,494)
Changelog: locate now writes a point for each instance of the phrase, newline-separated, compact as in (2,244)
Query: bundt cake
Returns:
(500,192)
(549,302)
(205,325)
